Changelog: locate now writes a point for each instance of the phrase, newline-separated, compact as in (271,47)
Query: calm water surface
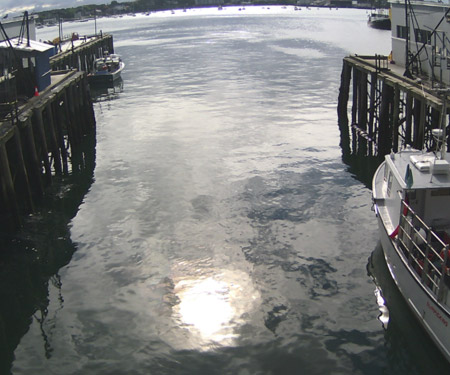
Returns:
(220,231)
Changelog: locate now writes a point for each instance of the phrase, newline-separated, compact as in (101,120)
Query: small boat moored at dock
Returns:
(107,69)
(411,196)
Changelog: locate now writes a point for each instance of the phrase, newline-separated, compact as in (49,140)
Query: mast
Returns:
(28,28)
(407,72)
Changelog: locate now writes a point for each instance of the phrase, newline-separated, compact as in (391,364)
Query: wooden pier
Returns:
(43,141)
(388,111)
(82,56)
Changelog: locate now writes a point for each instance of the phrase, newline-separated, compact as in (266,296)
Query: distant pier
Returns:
(80,52)
(388,110)
(44,140)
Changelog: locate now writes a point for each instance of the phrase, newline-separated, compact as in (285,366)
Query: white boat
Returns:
(107,69)
(411,195)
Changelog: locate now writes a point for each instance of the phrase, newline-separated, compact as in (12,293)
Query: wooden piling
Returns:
(76,57)
(23,180)
(42,148)
(344,91)
(33,163)
(409,117)
(372,109)
(59,132)
(394,112)
(395,118)
(8,192)
(37,146)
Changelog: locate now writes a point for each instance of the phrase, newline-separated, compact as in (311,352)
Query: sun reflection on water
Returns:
(212,307)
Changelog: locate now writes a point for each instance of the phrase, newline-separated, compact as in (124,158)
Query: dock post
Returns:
(32,161)
(344,92)
(59,131)
(419,114)
(75,115)
(42,147)
(408,119)
(362,113)
(89,107)
(356,78)
(51,136)
(9,196)
(22,171)
(372,108)
(384,131)
(395,118)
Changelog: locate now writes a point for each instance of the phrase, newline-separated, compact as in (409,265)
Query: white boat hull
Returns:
(434,319)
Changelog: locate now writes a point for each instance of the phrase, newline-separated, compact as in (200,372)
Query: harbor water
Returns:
(221,231)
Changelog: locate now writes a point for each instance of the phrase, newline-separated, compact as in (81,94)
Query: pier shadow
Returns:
(31,257)
(408,347)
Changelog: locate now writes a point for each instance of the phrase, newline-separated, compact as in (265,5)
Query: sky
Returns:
(17,7)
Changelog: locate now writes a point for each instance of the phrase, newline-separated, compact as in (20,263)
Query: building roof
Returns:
(22,46)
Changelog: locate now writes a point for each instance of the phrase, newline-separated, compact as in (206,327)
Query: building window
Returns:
(423,36)
(401,32)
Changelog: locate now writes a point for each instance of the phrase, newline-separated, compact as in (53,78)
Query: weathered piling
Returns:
(82,57)
(42,143)
(389,111)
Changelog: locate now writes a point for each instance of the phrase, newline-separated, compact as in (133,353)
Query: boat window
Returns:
(411,195)
(386,171)
(389,184)
(440,192)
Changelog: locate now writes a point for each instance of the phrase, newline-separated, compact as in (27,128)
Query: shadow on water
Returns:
(409,348)
(31,258)
(356,154)
(101,92)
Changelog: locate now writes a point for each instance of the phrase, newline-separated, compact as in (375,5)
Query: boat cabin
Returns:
(412,196)
(423,181)
(108,63)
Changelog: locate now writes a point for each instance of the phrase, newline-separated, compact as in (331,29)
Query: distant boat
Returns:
(379,19)
(106,69)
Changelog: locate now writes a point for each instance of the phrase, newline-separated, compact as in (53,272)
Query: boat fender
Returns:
(405,212)
(420,237)
(394,233)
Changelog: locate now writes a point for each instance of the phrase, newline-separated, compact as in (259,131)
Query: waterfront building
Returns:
(420,39)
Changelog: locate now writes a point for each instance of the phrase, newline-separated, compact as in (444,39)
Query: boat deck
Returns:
(421,179)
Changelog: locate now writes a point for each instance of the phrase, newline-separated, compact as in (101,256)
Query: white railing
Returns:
(427,253)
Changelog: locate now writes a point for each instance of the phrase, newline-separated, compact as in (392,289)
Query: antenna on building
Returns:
(25,25)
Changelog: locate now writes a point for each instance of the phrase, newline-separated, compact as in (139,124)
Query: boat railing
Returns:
(426,252)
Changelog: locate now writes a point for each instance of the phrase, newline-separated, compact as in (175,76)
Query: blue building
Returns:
(29,62)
